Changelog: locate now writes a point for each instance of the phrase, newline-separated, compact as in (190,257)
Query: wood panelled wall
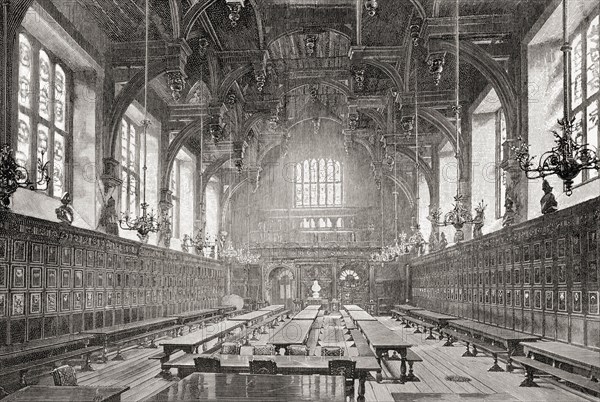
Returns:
(538,277)
(57,280)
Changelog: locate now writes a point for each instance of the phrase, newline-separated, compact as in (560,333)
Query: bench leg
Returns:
(528,381)
(449,341)
(475,351)
(406,324)
(118,356)
(362,378)
(495,367)
(254,337)
(104,357)
(468,352)
(509,367)
(23,378)
(165,373)
(86,363)
(153,344)
(417,331)
(411,377)
(430,337)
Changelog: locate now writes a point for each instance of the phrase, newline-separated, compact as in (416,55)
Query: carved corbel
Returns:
(358,74)
(176,81)
(436,62)
(216,127)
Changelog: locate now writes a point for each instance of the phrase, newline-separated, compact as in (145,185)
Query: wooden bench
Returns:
(476,343)
(141,340)
(416,322)
(532,366)
(397,314)
(361,343)
(348,321)
(24,368)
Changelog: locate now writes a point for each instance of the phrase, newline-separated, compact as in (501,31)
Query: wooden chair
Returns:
(64,376)
(264,350)
(346,368)
(297,350)
(207,364)
(332,351)
(263,367)
(230,348)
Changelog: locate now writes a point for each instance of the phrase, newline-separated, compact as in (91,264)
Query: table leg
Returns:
(86,365)
(430,336)
(495,367)
(509,367)
(379,353)
(362,378)
(118,356)
(528,381)
(403,365)
(467,352)
(448,341)
(104,357)
(411,375)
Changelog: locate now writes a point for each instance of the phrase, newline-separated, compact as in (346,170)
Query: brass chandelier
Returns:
(460,215)
(147,223)
(567,159)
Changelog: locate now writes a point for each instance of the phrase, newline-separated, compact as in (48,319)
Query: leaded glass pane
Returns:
(298,195)
(330,172)
(60,97)
(298,173)
(124,190)
(322,194)
(132,193)
(330,196)
(23,141)
(338,172)
(338,194)
(25,58)
(592,133)
(576,76)
(43,138)
(44,82)
(322,170)
(306,195)
(59,164)
(313,194)
(593,57)
(306,177)
(313,171)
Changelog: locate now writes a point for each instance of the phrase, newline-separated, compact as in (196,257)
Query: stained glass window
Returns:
(43,129)
(318,183)
(585,81)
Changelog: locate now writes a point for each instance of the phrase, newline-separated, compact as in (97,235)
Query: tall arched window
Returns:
(318,183)
(44,115)
(585,81)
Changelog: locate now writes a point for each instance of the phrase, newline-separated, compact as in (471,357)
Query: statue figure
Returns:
(316,288)
(185,243)
(165,232)
(548,202)
(434,239)
(65,212)
(479,220)
(509,215)
(109,219)
(443,241)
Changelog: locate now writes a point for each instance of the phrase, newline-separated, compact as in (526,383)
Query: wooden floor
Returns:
(139,373)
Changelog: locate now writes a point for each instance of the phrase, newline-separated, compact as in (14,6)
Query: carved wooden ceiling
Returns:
(311,51)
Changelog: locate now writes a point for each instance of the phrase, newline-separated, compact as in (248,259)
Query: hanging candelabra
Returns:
(568,158)
(14,176)
(416,241)
(146,223)
(460,215)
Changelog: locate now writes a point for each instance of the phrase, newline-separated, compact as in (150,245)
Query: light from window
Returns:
(130,168)
(585,81)
(318,183)
(43,128)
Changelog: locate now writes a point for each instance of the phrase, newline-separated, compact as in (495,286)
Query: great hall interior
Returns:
(284,200)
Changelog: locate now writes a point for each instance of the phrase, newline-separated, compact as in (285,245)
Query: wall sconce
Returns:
(235,7)
(371,7)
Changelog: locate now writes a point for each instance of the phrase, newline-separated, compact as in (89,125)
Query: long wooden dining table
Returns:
(267,388)
(305,365)
(50,393)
